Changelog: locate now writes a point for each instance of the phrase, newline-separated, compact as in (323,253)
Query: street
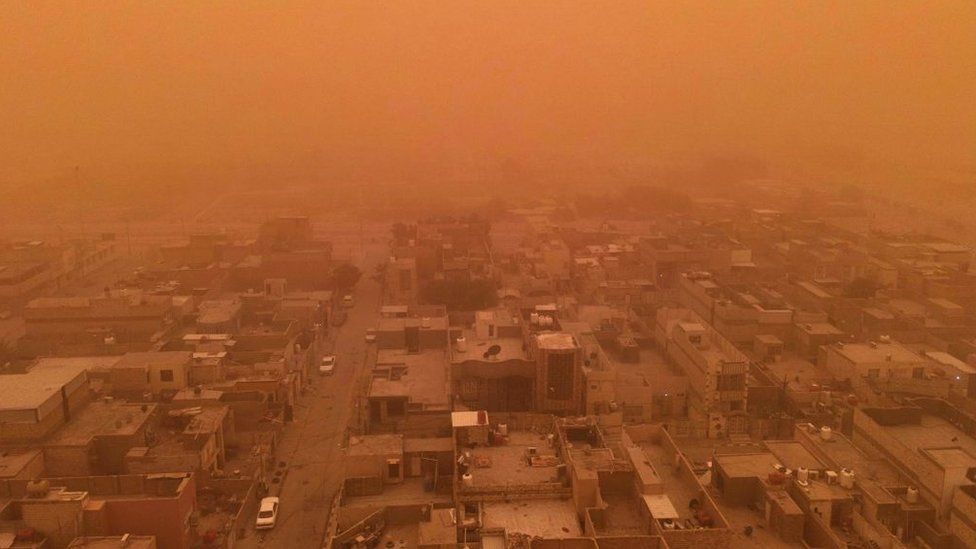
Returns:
(313,446)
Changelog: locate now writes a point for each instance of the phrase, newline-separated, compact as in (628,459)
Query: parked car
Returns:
(370,335)
(348,301)
(267,514)
(327,365)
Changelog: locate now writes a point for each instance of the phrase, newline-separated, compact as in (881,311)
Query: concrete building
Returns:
(63,509)
(495,381)
(110,324)
(559,373)
(716,370)
(96,440)
(409,393)
(880,360)
(37,403)
(156,372)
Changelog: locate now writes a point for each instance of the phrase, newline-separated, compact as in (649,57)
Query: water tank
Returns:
(110,340)
(826,433)
(38,488)
(803,474)
(425,322)
(503,429)
(846,478)
(467,480)
(462,345)
(911,495)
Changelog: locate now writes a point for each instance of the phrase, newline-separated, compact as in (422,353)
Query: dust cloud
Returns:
(151,98)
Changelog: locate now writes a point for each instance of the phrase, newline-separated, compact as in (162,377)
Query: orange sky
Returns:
(113,85)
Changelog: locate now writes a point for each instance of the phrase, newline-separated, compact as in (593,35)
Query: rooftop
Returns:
(556,341)
(793,454)
(375,445)
(114,542)
(820,328)
(509,464)
(155,358)
(12,462)
(510,348)
(422,377)
(105,418)
(748,465)
(543,518)
(878,352)
(942,441)
(31,390)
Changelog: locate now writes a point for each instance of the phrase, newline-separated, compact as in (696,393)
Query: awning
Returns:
(660,506)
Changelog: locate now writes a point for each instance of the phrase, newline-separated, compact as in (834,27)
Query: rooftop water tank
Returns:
(911,495)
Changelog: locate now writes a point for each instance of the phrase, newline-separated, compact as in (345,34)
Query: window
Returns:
(396,407)
(166,375)
(560,376)
(731,382)
(469,389)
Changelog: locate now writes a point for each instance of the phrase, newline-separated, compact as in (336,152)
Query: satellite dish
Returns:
(492,351)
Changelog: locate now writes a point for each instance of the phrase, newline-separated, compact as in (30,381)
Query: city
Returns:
(723,375)
(515,274)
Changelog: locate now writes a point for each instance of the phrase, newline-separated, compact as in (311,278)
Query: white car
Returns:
(347,300)
(327,365)
(370,335)
(267,514)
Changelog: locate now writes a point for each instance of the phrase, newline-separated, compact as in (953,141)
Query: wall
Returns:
(60,521)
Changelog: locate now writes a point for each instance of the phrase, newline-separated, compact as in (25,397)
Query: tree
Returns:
(460,295)
(345,276)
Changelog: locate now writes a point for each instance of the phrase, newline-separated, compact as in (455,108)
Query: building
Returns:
(110,324)
(37,403)
(716,370)
(559,373)
(63,509)
(96,440)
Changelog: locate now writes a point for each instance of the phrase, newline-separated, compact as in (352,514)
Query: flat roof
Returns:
(556,341)
(935,436)
(820,328)
(548,519)
(31,390)
(81,362)
(510,348)
(867,353)
(758,464)
(12,462)
(375,445)
(945,359)
(113,542)
(423,379)
(156,358)
(793,454)
(102,418)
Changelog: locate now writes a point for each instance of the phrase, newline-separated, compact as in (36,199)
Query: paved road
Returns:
(313,446)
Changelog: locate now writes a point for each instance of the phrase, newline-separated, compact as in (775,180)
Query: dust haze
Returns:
(147,96)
